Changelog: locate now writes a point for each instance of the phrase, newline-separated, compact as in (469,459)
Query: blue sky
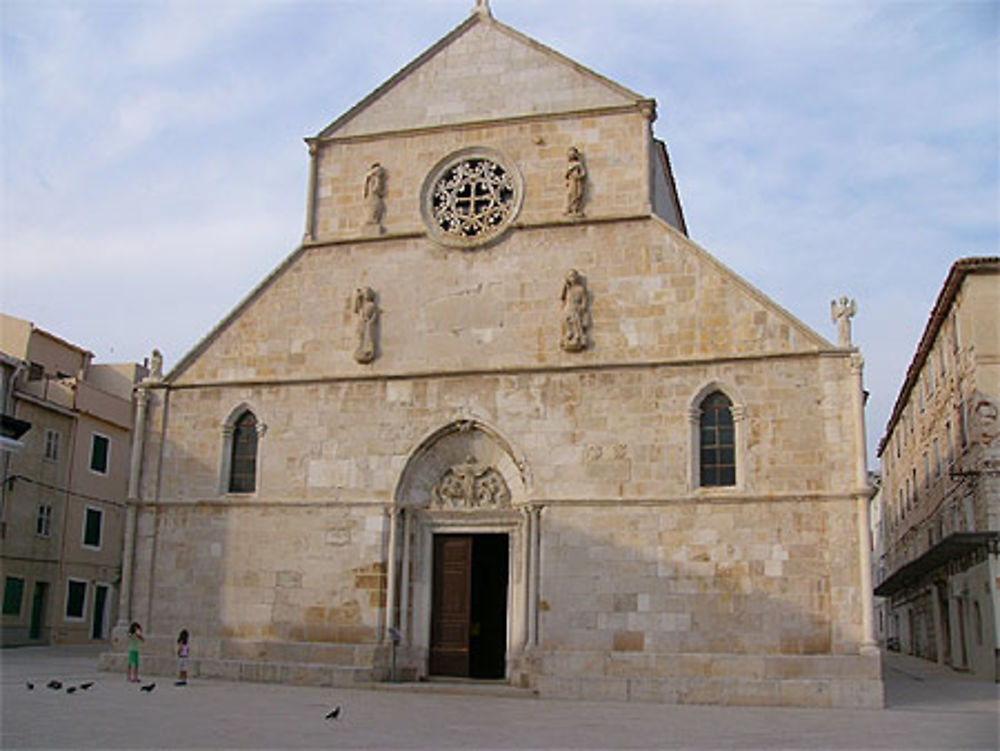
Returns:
(154,170)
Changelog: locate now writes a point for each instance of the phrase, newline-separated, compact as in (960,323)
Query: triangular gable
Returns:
(483,70)
(805,335)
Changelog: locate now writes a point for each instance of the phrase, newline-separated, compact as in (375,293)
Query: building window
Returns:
(717,441)
(927,470)
(243,464)
(51,445)
(76,599)
(13,593)
(937,458)
(930,376)
(963,429)
(43,520)
(100,453)
(36,371)
(951,441)
(93,523)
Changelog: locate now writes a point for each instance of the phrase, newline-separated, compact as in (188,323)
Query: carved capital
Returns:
(739,412)
(857,363)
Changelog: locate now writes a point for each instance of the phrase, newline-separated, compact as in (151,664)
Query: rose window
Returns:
(470,198)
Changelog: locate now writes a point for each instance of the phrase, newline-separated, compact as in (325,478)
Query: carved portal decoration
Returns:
(575,313)
(374,195)
(576,181)
(470,485)
(470,198)
(366,310)
(841,313)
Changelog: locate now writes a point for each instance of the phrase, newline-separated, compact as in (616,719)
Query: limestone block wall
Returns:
(727,578)
(616,433)
(615,147)
(265,573)
(653,296)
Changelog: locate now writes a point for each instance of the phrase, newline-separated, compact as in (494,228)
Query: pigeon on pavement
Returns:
(30,686)
(54,685)
(333,714)
(85,686)
(71,690)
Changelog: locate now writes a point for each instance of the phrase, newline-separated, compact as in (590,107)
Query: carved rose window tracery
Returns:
(470,198)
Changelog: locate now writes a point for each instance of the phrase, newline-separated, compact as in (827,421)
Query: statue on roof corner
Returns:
(576,180)
(374,195)
(841,313)
(483,7)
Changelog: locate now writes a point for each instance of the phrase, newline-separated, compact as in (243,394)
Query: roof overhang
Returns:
(951,548)
(11,430)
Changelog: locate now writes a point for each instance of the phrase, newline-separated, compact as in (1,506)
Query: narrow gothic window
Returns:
(718,444)
(243,468)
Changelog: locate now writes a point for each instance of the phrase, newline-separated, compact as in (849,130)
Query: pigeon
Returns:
(149,688)
(333,714)
(30,686)
(71,690)
(85,686)
(54,685)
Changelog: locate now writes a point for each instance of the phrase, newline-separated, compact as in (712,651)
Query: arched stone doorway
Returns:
(462,552)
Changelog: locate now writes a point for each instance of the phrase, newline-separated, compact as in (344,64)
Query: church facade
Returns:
(499,417)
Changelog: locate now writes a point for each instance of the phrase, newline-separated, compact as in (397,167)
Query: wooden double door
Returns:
(469,605)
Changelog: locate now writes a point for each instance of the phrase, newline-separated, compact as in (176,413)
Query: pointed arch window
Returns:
(717,441)
(243,457)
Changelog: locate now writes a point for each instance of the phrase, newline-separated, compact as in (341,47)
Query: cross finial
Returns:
(483,8)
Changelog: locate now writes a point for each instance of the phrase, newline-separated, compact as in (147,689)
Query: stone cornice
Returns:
(322,242)
(645,107)
(418,375)
(691,499)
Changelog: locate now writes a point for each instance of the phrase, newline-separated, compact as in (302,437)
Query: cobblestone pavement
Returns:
(928,707)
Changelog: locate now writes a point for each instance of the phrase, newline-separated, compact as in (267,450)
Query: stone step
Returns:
(291,673)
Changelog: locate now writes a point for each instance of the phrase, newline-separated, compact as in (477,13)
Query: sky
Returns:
(154,169)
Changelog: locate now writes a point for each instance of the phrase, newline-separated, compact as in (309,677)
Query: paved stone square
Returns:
(928,707)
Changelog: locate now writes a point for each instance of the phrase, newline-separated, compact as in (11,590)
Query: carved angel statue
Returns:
(576,316)
(156,366)
(374,195)
(576,178)
(366,308)
(841,313)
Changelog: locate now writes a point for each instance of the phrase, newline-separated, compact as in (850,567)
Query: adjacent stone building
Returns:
(941,482)
(500,409)
(62,499)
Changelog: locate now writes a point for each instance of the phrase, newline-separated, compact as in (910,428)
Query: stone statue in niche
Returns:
(366,309)
(576,181)
(841,313)
(576,315)
(374,195)
(470,484)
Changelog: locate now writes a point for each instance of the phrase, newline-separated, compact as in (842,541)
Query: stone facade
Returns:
(574,471)
(941,492)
